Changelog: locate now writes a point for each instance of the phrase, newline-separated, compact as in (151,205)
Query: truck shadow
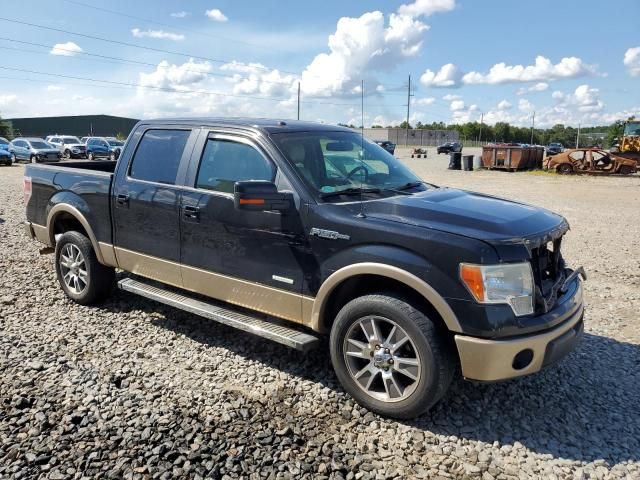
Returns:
(586,408)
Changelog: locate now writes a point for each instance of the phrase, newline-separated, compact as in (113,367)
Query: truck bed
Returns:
(85,185)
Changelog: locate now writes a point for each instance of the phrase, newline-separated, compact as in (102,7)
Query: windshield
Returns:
(70,140)
(632,129)
(39,144)
(334,162)
(4,142)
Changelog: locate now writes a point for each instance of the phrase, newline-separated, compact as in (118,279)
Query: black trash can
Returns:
(455,161)
(467,163)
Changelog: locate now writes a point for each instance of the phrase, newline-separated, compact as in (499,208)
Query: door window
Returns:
(158,156)
(577,156)
(225,162)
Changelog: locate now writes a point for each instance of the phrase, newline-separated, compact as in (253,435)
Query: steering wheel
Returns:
(359,167)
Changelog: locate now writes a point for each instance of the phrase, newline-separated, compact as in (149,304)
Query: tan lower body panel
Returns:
(262,298)
(41,233)
(491,360)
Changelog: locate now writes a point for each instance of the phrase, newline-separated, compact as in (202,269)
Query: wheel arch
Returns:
(64,217)
(341,285)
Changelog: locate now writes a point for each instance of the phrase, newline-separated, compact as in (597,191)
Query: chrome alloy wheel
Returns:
(382,359)
(73,268)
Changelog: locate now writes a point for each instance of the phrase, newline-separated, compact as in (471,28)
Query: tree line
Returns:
(600,136)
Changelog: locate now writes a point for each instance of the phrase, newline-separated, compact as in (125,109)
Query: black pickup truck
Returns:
(292,230)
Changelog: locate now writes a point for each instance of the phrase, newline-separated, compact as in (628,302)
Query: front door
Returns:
(248,258)
(146,205)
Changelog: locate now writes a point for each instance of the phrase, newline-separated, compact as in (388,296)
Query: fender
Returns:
(104,252)
(398,274)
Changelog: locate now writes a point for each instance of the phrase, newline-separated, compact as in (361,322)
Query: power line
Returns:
(173,90)
(123,60)
(155,22)
(152,49)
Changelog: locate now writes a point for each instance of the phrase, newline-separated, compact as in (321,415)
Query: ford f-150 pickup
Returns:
(294,230)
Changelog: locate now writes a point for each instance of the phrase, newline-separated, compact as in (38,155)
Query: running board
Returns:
(225,315)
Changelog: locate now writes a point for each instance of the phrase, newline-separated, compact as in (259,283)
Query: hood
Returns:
(483,217)
(45,150)
(74,145)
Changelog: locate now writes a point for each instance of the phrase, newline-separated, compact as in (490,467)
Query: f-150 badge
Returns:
(329,234)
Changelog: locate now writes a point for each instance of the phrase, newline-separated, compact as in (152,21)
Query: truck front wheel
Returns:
(83,279)
(390,357)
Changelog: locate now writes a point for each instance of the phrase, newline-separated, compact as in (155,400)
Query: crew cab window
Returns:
(226,162)
(158,155)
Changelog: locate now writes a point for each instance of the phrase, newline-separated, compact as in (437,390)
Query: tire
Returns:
(98,281)
(33,159)
(90,156)
(432,367)
(67,154)
(112,157)
(14,159)
(625,170)
(564,169)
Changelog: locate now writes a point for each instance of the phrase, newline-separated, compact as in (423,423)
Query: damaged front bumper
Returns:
(492,360)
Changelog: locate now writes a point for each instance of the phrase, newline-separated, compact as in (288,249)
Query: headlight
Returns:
(510,283)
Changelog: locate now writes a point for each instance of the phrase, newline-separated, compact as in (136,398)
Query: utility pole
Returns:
(298,100)
(481,122)
(362,106)
(578,137)
(533,123)
(406,142)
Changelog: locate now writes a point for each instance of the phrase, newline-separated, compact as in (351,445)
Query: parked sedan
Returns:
(5,157)
(554,149)
(450,147)
(387,145)
(101,147)
(70,146)
(33,150)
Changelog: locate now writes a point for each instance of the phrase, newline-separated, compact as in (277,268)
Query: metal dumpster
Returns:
(508,157)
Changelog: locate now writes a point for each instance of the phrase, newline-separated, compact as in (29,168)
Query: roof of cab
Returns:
(268,125)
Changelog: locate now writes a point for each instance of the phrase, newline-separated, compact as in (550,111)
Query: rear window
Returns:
(158,156)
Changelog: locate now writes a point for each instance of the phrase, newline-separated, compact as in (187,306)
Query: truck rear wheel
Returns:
(390,357)
(81,276)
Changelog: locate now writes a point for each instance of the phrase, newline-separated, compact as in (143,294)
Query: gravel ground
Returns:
(133,389)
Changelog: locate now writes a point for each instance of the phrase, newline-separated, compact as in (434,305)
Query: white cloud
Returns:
(543,69)
(448,97)
(258,79)
(68,49)
(169,75)
(525,105)
(504,105)
(426,7)
(7,100)
(457,105)
(380,89)
(360,47)
(538,87)
(216,15)
(181,14)
(632,61)
(448,76)
(54,88)
(584,99)
(424,101)
(161,34)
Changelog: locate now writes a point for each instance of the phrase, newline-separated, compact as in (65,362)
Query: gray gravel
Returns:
(136,390)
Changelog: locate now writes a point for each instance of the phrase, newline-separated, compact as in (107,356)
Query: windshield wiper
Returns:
(409,185)
(349,191)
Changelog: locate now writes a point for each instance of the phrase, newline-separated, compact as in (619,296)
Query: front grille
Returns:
(548,274)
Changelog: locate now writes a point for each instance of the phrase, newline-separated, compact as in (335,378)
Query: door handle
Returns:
(123,199)
(191,212)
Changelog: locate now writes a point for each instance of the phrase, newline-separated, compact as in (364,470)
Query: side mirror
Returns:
(260,195)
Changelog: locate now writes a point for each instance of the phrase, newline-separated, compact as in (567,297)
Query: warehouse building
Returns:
(417,137)
(80,125)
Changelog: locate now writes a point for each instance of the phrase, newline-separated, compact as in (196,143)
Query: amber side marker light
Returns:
(472,277)
(252,201)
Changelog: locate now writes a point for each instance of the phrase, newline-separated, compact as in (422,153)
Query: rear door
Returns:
(249,258)
(146,202)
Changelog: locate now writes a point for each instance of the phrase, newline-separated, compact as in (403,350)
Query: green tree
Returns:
(405,125)
(5,129)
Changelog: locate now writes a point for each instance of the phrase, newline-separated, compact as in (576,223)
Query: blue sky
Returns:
(569,61)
